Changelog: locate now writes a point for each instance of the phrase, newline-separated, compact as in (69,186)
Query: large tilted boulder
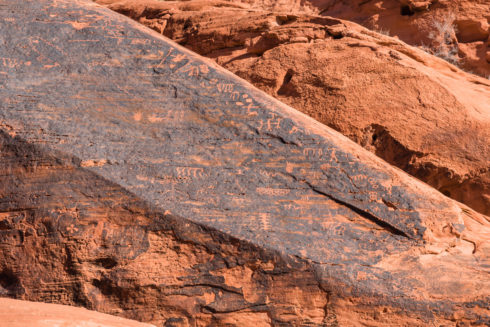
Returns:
(141,180)
(15,313)
(412,109)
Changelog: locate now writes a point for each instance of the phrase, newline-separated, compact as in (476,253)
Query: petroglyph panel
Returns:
(143,140)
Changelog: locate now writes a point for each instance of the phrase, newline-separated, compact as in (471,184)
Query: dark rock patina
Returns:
(140,179)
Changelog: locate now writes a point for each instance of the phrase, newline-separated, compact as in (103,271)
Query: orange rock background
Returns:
(414,21)
(419,23)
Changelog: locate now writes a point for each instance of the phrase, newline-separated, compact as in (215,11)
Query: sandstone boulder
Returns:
(468,30)
(142,180)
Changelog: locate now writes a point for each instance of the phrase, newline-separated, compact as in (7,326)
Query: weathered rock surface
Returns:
(15,313)
(455,29)
(142,180)
(460,25)
(413,110)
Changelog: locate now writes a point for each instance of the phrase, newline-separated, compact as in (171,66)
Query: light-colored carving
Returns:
(272,191)
(225,88)
(190,172)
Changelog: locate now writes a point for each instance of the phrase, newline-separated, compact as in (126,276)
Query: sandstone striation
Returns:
(15,313)
(142,180)
(412,109)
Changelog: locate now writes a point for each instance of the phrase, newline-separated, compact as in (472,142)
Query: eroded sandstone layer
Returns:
(15,313)
(142,180)
(412,109)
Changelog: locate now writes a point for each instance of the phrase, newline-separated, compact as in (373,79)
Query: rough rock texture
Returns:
(139,179)
(414,110)
(457,30)
(15,313)
(442,25)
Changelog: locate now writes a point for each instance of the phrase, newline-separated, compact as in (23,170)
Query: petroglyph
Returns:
(213,179)
(272,191)
(225,88)
(190,172)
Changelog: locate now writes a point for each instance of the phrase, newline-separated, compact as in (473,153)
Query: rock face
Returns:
(15,313)
(457,30)
(142,180)
(413,110)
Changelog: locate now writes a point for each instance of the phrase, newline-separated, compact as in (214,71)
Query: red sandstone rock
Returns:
(419,23)
(140,179)
(468,30)
(414,21)
(15,313)
(413,110)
